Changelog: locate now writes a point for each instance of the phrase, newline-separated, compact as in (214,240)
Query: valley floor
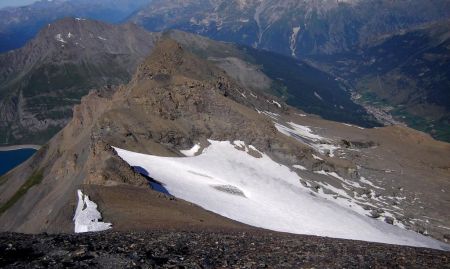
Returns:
(175,249)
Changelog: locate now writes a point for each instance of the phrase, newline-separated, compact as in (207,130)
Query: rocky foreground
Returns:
(207,250)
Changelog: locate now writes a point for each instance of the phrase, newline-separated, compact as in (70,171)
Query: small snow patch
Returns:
(59,38)
(276,103)
(300,167)
(318,96)
(254,149)
(191,152)
(317,157)
(87,216)
(365,181)
(305,135)
(271,115)
(349,125)
(297,129)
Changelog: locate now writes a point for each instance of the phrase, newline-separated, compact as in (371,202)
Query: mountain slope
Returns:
(40,83)
(19,24)
(177,100)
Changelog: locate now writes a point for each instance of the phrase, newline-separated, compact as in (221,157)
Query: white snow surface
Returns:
(301,167)
(317,157)
(59,38)
(349,125)
(276,103)
(263,193)
(191,152)
(87,216)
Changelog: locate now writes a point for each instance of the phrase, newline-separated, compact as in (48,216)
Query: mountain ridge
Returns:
(171,105)
(74,55)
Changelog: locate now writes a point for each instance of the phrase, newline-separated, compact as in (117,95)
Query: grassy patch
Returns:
(34,179)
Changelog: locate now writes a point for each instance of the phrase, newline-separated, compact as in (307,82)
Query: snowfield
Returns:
(261,192)
(87,216)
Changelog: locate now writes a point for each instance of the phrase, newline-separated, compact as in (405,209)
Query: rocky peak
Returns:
(170,59)
(167,57)
(68,57)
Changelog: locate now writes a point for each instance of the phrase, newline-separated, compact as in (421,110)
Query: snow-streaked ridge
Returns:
(87,216)
(305,135)
(261,192)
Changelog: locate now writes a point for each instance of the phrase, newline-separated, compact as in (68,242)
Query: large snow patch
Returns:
(263,193)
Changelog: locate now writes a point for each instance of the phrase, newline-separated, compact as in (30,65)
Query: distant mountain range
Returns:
(292,27)
(289,27)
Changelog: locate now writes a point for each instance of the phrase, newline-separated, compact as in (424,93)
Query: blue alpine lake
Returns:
(12,158)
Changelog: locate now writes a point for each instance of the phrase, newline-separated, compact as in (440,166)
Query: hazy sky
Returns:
(7,3)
